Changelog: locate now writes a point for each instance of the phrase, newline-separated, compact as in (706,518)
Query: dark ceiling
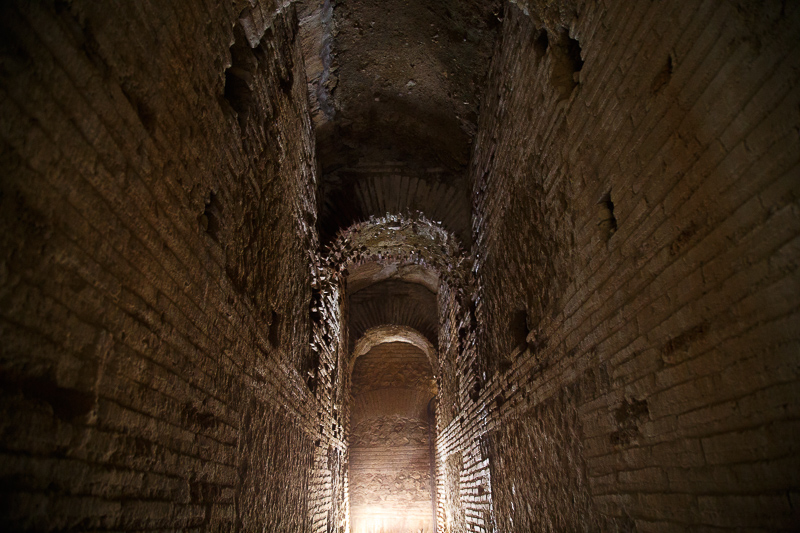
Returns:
(395,88)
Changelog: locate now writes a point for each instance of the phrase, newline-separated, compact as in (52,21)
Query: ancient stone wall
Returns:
(329,377)
(636,314)
(158,203)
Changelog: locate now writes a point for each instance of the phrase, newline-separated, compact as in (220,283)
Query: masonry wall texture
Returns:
(153,293)
(585,250)
(641,214)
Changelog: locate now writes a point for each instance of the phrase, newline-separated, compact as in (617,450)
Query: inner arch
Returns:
(393,333)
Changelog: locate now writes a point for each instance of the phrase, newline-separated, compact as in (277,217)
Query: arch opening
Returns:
(391,431)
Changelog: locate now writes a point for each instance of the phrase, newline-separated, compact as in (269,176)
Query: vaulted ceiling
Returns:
(395,88)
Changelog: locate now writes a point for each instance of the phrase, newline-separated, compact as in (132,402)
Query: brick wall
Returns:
(636,229)
(157,208)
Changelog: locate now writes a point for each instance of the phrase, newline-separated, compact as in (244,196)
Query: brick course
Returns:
(687,307)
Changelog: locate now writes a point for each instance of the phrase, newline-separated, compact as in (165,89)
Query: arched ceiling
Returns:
(384,334)
(365,274)
(397,303)
(395,87)
(391,269)
(409,248)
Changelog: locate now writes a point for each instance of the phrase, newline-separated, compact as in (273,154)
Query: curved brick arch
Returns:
(393,333)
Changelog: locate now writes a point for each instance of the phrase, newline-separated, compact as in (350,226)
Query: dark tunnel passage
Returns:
(330,266)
